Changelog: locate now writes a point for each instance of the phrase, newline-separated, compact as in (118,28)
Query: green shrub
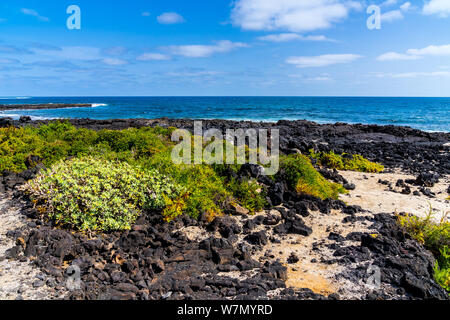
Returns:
(249,194)
(442,268)
(208,188)
(16,145)
(346,162)
(301,175)
(58,140)
(436,238)
(93,194)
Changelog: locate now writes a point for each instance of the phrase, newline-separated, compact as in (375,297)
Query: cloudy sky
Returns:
(219,47)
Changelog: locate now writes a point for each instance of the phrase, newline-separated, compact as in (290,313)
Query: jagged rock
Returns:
(293,258)
(350,186)
(335,237)
(259,238)
(427,179)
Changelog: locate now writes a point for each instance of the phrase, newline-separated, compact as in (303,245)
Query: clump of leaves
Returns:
(208,186)
(175,207)
(435,236)
(442,268)
(346,161)
(250,194)
(301,175)
(59,140)
(94,194)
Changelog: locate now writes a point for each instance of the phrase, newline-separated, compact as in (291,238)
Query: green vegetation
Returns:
(303,177)
(64,191)
(206,187)
(59,140)
(93,194)
(436,237)
(250,193)
(346,162)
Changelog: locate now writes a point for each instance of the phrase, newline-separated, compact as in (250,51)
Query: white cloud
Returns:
(323,78)
(202,51)
(406,6)
(71,53)
(151,56)
(411,75)
(193,74)
(392,56)
(291,15)
(34,13)
(439,7)
(394,15)
(285,37)
(388,3)
(443,50)
(414,54)
(170,18)
(114,62)
(391,16)
(115,51)
(146,14)
(322,61)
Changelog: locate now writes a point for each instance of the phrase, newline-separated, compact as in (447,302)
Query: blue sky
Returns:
(241,47)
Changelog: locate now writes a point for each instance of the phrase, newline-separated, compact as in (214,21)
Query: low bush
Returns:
(301,175)
(346,162)
(436,237)
(208,188)
(93,194)
(250,194)
(59,140)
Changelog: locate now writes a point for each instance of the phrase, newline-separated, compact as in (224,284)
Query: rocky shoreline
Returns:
(4,107)
(300,247)
(412,150)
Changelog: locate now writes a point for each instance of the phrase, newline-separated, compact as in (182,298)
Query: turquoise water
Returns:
(431,114)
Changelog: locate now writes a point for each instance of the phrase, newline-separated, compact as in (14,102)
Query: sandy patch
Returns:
(375,197)
(312,270)
(18,279)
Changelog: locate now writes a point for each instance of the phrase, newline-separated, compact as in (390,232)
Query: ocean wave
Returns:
(16,116)
(94,105)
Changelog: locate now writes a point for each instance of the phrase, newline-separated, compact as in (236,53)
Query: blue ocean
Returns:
(430,114)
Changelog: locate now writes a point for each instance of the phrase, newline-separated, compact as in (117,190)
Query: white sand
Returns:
(375,197)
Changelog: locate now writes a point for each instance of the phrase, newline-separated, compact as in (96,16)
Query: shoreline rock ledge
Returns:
(4,107)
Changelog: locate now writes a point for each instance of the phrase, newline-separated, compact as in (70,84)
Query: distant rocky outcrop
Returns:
(4,107)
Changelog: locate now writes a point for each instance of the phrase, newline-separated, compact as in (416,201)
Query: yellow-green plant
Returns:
(345,161)
(436,237)
(442,268)
(58,140)
(301,175)
(94,194)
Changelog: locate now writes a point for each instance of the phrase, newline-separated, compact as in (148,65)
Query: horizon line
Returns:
(214,96)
